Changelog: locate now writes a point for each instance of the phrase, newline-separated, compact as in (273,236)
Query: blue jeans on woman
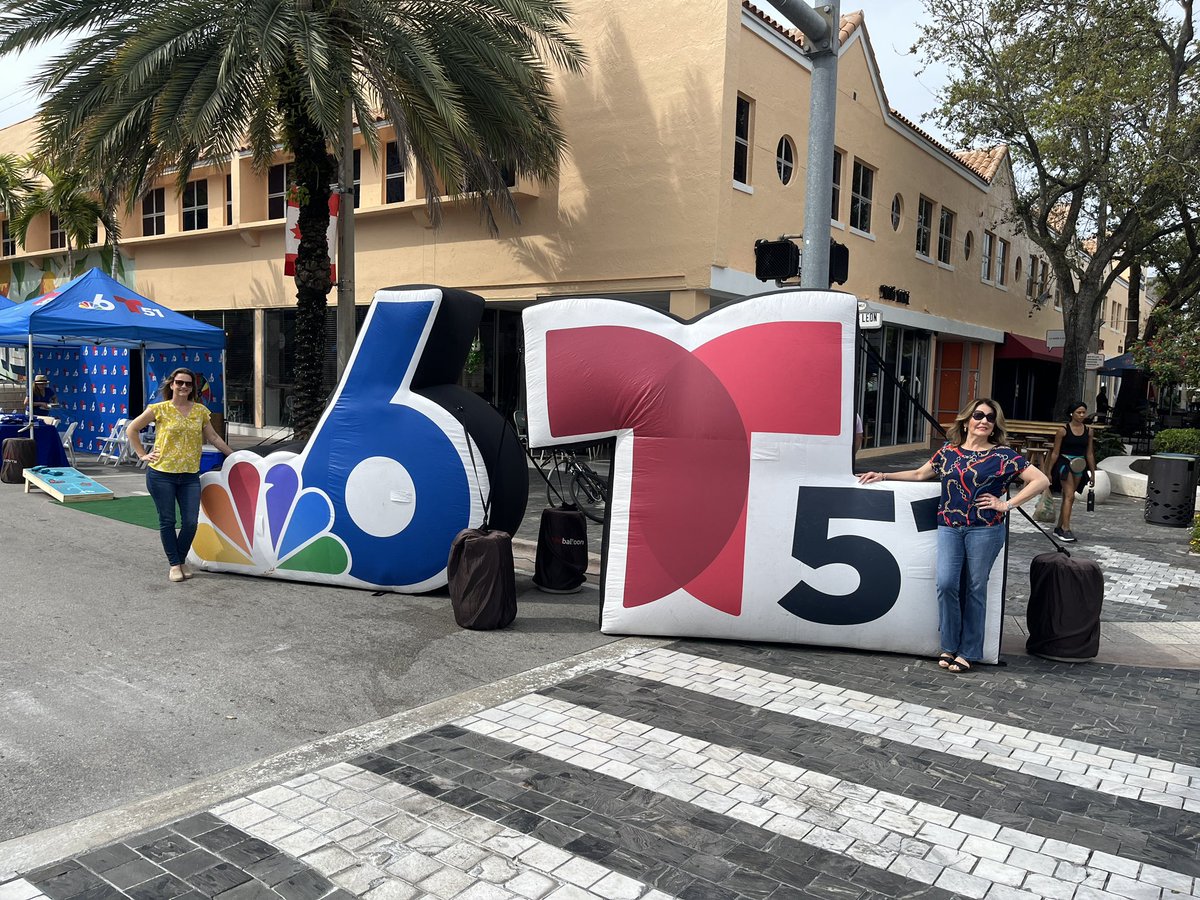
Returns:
(168,489)
(961,620)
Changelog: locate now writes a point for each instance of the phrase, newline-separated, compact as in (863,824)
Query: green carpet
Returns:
(134,510)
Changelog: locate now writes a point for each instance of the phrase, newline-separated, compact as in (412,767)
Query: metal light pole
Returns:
(821,27)
(345,262)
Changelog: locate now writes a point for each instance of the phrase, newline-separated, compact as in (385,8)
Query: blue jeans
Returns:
(168,489)
(961,619)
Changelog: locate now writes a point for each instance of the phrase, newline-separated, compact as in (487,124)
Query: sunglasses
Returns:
(978,416)
(179,383)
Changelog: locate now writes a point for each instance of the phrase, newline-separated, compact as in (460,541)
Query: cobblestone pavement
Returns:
(723,771)
(718,771)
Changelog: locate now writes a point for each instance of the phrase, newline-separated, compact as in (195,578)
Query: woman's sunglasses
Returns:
(978,416)
(179,383)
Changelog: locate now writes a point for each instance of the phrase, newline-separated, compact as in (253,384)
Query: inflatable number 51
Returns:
(389,477)
(732,512)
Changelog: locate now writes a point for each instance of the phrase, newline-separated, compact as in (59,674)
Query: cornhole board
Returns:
(66,485)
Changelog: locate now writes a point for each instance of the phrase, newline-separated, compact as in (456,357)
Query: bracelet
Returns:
(883,476)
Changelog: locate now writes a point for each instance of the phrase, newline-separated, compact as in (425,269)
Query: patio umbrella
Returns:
(1119,365)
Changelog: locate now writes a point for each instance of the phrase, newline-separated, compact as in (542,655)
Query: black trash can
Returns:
(1171,492)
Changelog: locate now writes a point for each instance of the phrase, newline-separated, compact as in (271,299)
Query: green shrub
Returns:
(1107,443)
(1177,440)
(1194,543)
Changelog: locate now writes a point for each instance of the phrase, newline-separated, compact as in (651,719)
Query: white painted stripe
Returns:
(963,854)
(19,889)
(386,841)
(1065,760)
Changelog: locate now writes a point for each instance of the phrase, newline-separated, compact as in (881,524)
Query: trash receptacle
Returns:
(1171,492)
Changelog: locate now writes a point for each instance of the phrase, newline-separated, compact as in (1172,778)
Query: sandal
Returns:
(945,659)
(959,665)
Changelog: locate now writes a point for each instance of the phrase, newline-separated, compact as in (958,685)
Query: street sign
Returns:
(869,321)
(1056,339)
(1093,361)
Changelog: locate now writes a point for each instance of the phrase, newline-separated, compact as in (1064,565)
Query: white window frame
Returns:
(861,200)
(924,241)
(987,251)
(1001,262)
(945,246)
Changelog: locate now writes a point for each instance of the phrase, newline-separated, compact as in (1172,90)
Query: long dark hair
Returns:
(958,431)
(167,388)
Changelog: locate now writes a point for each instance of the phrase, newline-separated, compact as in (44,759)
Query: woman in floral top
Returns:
(173,477)
(975,469)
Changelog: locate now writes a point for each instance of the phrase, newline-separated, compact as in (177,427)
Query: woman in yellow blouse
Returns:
(173,477)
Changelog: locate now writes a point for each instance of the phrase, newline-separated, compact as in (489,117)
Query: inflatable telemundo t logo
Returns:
(733,512)
(388,478)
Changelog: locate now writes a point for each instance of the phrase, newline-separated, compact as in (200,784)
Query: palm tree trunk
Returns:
(313,170)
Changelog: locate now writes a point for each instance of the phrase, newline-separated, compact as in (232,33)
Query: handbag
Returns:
(1044,511)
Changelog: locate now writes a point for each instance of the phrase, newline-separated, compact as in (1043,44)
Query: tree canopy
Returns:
(161,85)
(1097,101)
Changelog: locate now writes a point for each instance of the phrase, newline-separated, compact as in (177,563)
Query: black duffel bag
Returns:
(560,566)
(1065,597)
(483,581)
(19,454)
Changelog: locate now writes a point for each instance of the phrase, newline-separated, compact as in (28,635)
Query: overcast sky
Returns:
(890,23)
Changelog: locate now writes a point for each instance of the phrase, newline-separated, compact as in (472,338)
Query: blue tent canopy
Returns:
(1118,365)
(95,308)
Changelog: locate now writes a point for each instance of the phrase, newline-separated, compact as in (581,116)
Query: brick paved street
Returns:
(716,771)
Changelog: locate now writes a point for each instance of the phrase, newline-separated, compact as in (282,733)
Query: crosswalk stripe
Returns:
(1084,764)
(374,837)
(960,853)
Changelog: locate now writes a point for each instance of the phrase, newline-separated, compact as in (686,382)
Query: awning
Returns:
(1118,365)
(1017,346)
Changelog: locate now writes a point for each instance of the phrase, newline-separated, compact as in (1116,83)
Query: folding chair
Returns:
(113,446)
(68,446)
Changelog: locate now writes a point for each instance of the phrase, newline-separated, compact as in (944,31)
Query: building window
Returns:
(8,244)
(195,205)
(968,244)
(924,225)
(277,189)
(58,237)
(897,212)
(154,212)
(1032,282)
(393,173)
(1044,280)
(741,140)
(861,189)
(785,159)
(1017,270)
(835,205)
(228,199)
(1002,262)
(986,254)
(357,178)
(945,236)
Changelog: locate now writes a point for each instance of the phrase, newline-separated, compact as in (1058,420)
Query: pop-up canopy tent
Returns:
(95,308)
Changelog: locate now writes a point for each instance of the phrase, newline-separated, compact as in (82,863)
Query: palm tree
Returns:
(15,184)
(165,84)
(69,198)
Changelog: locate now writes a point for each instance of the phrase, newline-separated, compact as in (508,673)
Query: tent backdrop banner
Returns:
(389,478)
(732,511)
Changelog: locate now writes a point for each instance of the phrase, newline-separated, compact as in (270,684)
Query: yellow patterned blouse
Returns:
(179,439)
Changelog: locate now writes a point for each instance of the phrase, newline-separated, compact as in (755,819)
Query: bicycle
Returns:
(571,477)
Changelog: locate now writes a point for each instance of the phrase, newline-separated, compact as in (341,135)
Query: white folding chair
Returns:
(68,446)
(113,446)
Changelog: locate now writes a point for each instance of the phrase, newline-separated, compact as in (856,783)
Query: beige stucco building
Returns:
(687,139)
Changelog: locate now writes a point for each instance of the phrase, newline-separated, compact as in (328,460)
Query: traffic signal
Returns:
(776,260)
(839,262)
